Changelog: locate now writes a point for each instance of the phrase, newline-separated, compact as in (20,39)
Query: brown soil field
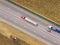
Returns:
(47,8)
(22,38)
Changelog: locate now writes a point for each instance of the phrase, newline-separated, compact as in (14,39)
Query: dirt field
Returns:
(22,38)
(47,8)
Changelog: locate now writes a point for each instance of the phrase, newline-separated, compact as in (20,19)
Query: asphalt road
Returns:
(13,13)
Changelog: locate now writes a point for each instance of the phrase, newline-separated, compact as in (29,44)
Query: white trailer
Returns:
(29,20)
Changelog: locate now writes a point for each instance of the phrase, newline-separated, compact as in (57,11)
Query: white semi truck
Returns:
(29,20)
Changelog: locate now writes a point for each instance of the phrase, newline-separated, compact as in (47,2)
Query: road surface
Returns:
(9,30)
(13,13)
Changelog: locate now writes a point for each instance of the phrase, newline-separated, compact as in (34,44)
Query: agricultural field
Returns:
(22,38)
(5,41)
(49,9)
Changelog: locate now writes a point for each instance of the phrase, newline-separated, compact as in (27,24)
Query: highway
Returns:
(13,13)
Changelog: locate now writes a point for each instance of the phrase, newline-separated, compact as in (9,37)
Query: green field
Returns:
(49,9)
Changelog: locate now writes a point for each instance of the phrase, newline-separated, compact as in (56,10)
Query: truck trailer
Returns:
(54,29)
(29,20)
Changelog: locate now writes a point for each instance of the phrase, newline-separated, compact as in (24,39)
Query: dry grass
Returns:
(5,41)
(47,8)
(23,38)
